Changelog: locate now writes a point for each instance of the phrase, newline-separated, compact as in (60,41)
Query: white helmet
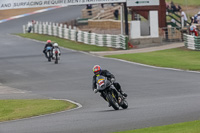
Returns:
(55,45)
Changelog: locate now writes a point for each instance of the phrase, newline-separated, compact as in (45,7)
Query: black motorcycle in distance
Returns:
(113,97)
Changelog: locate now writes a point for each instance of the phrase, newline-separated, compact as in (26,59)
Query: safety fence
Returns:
(170,34)
(62,31)
(192,42)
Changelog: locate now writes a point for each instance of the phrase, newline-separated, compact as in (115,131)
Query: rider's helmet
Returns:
(55,45)
(48,41)
(96,69)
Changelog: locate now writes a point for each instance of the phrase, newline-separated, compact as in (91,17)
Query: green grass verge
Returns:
(66,43)
(179,58)
(187,127)
(23,108)
(186,2)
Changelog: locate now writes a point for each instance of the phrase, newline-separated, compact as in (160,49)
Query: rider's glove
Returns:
(95,90)
(112,79)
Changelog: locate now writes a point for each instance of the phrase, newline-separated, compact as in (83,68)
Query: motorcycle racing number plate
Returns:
(101,82)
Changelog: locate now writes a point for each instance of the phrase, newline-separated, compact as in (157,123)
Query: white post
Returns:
(135,29)
(24,29)
(153,18)
(122,18)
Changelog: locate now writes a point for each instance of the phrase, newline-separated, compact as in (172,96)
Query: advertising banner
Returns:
(14,4)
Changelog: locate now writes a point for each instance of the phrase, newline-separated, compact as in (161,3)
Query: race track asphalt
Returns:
(156,96)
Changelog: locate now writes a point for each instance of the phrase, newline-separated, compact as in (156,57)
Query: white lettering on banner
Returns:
(13,4)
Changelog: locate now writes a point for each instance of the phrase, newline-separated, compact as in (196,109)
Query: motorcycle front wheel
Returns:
(112,101)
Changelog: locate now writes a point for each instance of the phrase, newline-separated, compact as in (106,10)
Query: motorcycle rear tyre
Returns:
(56,59)
(125,104)
(49,56)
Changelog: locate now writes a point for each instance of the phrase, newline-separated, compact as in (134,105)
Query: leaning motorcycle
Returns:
(56,55)
(113,97)
(49,53)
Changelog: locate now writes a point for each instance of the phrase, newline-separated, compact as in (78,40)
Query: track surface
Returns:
(155,96)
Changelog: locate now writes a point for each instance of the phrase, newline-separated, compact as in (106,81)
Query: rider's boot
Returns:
(118,87)
(121,92)
(124,94)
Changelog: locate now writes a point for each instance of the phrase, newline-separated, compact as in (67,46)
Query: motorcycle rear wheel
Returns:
(56,59)
(49,56)
(125,104)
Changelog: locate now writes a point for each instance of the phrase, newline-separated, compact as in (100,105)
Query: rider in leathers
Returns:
(97,71)
(48,44)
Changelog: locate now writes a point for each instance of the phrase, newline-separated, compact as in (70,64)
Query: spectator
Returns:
(33,23)
(195,18)
(116,14)
(30,26)
(193,30)
(173,7)
(191,20)
(89,6)
(198,17)
(183,16)
(178,8)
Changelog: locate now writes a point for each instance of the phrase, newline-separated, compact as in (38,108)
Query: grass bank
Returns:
(179,58)
(66,43)
(187,127)
(23,108)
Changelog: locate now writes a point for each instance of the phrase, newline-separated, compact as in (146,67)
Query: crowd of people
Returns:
(194,20)
(172,7)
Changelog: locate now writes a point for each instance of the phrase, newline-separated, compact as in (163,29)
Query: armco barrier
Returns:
(192,42)
(59,30)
